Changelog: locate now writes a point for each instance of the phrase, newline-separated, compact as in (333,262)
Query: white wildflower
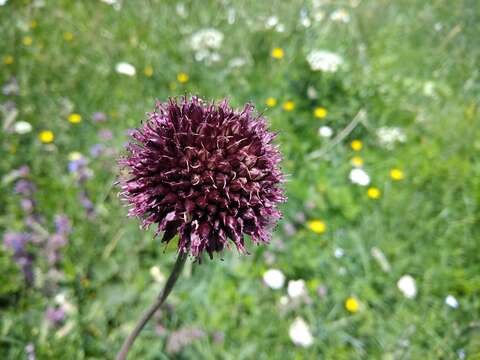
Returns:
(237,62)
(407,286)
(325,131)
(429,89)
(322,60)
(206,39)
(340,15)
(125,69)
(300,333)
(389,136)
(451,301)
(22,127)
(157,274)
(359,177)
(181,10)
(271,22)
(296,289)
(280,28)
(339,252)
(318,16)
(3,2)
(274,279)
(231,15)
(312,92)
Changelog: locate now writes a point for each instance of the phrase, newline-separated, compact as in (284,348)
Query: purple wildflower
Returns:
(105,134)
(97,150)
(24,187)
(62,224)
(27,205)
(206,172)
(17,242)
(23,171)
(99,116)
(55,315)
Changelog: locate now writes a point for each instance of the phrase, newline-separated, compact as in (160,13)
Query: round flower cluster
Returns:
(206,172)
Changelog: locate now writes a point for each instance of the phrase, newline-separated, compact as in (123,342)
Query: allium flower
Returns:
(206,172)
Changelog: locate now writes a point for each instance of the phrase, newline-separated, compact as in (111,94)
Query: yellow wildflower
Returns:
(8,60)
(277,53)
(68,36)
(396,174)
(352,305)
(75,155)
(33,24)
(46,136)
(148,71)
(289,106)
(357,161)
(27,40)
(74,118)
(373,193)
(271,102)
(320,112)
(317,226)
(182,77)
(356,145)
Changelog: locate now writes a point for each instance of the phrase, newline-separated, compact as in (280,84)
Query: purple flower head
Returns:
(16,241)
(97,150)
(99,116)
(27,205)
(24,187)
(55,315)
(206,172)
(62,224)
(105,134)
(23,171)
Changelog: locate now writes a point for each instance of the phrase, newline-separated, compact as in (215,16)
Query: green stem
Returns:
(172,279)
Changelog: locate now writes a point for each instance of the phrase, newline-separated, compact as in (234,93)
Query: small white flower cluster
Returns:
(272,22)
(359,176)
(340,15)
(115,3)
(125,68)
(204,43)
(299,331)
(389,136)
(22,127)
(325,131)
(407,285)
(323,60)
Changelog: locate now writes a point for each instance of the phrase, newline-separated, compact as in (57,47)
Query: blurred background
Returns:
(376,105)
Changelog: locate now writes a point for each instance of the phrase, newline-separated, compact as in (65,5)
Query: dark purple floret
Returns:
(206,172)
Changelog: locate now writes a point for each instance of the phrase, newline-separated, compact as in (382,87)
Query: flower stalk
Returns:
(172,279)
